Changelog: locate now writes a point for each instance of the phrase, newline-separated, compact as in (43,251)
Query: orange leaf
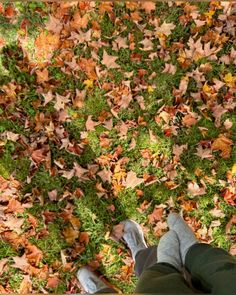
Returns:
(148,6)
(52,282)
(14,206)
(156,215)
(33,254)
(222,144)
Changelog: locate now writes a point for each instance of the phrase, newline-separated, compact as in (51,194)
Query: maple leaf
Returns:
(105,174)
(156,215)
(3,262)
(165,28)
(195,190)
(204,153)
(14,206)
(21,262)
(61,101)
(170,69)
(132,180)
(228,124)
(54,24)
(47,97)
(90,124)
(79,22)
(33,254)
(14,223)
(218,111)
(10,136)
(109,61)
(222,144)
(46,44)
(42,75)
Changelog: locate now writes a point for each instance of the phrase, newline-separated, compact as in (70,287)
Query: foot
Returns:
(90,282)
(185,234)
(168,250)
(133,237)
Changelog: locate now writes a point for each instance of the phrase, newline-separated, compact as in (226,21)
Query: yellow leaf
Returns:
(88,83)
(230,80)
(150,89)
(234,169)
(206,88)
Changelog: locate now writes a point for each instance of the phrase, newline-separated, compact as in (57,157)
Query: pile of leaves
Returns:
(112,111)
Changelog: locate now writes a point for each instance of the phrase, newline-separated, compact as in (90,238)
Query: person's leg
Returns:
(144,259)
(212,269)
(162,277)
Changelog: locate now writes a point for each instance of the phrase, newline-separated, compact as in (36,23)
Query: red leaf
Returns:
(156,215)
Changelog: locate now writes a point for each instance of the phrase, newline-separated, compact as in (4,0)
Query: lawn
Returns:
(111,111)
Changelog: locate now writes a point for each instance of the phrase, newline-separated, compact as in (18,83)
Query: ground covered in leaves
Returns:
(111,111)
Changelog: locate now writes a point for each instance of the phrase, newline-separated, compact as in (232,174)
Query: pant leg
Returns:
(144,259)
(212,269)
(162,278)
(107,291)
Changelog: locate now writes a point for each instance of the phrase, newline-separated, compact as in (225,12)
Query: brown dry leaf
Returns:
(170,69)
(223,144)
(90,124)
(204,153)
(10,136)
(70,234)
(117,232)
(14,223)
(189,120)
(231,222)
(165,28)
(33,254)
(156,215)
(46,44)
(132,180)
(228,124)
(21,262)
(106,175)
(25,285)
(42,75)
(79,22)
(14,206)
(14,239)
(54,24)
(84,238)
(148,6)
(52,282)
(178,150)
(195,190)
(47,97)
(3,262)
(38,156)
(218,111)
(75,222)
(109,61)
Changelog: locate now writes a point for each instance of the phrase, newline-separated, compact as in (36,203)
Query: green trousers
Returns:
(212,271)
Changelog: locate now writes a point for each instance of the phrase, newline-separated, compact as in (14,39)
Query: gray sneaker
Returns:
(185,234)
(168,250)
(133,237)
(90,282)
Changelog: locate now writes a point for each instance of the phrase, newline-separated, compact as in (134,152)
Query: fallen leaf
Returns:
(132,180)
(90,124)
(52,282)
(195,190)
(25,285)
(232,250)
(148,6)
(42,75)
(231,222)
(223,144)
(165,28)
(110,61)
(54,24)
(156,215)
(70,235)
(204,153)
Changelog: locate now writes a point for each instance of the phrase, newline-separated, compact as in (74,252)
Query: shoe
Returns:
(133,237)
(184,232)
(168,250)
(90,282)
